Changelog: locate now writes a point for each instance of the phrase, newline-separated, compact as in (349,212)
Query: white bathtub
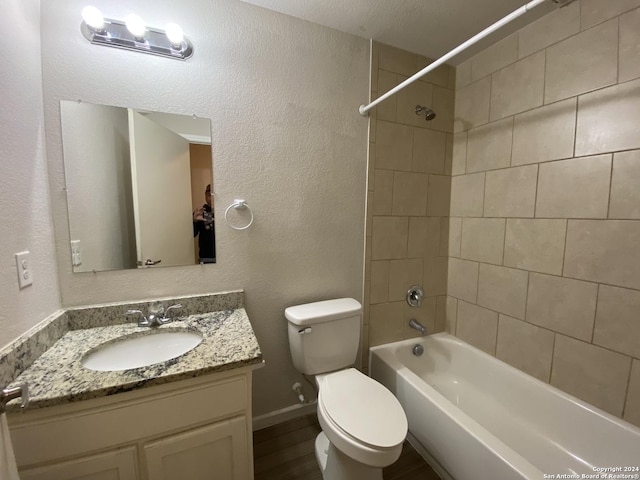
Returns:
(475,417)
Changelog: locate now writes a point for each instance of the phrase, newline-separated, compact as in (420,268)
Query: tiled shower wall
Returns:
(408,198)
(544,268)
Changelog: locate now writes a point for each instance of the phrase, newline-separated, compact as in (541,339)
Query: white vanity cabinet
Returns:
(196,429)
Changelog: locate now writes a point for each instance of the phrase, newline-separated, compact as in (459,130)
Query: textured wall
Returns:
(24,192)
(408,198)
(283,98)
(545,257)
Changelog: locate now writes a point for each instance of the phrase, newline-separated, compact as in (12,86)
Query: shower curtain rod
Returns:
(512,16)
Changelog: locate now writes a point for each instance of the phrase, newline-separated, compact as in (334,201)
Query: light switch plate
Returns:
(23,264)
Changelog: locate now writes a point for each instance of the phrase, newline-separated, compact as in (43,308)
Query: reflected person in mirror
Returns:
(203,228)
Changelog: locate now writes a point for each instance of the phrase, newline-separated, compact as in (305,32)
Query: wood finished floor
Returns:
(286,452)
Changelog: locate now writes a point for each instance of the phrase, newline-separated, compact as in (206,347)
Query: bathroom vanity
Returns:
(189,417)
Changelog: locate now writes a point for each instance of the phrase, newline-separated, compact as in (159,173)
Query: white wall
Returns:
(24,197)
(283,96)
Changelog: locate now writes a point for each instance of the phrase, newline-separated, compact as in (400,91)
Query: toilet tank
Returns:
(324,336)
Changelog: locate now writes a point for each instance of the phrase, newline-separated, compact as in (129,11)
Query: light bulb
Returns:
(135,25)
(93,17)
(174,34)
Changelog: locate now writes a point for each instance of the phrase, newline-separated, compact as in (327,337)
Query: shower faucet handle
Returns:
(415,295)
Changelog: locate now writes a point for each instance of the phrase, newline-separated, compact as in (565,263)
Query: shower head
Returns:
(428,113)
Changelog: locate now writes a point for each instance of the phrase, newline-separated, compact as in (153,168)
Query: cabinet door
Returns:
(114,465)
(215,452)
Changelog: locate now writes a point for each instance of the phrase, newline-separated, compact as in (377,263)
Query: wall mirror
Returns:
(136,185)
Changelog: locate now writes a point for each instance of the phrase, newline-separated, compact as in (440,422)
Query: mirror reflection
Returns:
(139,187)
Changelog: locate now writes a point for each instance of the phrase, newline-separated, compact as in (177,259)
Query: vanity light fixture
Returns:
(133,34)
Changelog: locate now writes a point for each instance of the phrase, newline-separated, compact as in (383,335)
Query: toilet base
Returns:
(335,465)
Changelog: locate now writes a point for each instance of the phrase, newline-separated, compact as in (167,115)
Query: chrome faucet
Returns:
(413,323)
(157,318)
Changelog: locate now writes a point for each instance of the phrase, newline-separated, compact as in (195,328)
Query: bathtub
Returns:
(473,416)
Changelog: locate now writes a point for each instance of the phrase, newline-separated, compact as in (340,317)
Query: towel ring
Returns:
(238,204)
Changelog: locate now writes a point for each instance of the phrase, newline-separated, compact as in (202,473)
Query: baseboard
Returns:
(282,415)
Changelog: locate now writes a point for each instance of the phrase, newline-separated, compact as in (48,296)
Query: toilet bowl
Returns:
(363,424)
(361,417)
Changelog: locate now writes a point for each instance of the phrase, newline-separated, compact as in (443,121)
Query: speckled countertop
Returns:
(58,376)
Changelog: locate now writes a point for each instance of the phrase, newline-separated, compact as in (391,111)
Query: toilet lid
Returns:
(363,408)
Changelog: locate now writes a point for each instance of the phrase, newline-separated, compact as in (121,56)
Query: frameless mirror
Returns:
(139,187)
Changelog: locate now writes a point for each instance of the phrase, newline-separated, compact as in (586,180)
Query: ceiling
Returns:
(427,27)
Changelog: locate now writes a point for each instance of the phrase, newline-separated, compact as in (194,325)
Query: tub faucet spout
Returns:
(413,323)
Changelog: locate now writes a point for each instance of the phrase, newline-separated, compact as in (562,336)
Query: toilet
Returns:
(363,424)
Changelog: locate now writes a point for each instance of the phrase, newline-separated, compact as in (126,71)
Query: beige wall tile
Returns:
(535,245)
(425,314)
(443,104)
(371,154)
(379,288)
(625,194)
(617,321)
(576,188)
(463,74)
(385,323)
(452,315)
(429,150)
(607,119)
(455,237)
(497,56)
(439,195)
(402,274)
(435,276)
(467,195)
(383,192)
(472,105)
(511,192)
(410,193)
(582,63)
(483,239)
(424,237)
(477,326)
(459,160)
(389,237)
(556,26)
(629,67)
(417,93)
(546,133)
(525,346)
(439,76)
(562,305)
(489,146)
(593,12)
(518,87)
(386,110)
(591,373)
(448,158)
(503,289)
(396,60)
(393,146)
(604,251)
(463,280)
(441,314)
(632,406)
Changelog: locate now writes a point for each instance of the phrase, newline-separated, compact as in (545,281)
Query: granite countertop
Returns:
(58,377)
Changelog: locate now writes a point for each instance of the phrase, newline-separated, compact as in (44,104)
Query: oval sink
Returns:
(135,350)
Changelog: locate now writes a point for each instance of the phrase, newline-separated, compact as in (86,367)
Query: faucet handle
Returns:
(165,316)
(415,295)
(142,321)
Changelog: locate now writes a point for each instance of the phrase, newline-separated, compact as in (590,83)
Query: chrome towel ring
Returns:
(238,204)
